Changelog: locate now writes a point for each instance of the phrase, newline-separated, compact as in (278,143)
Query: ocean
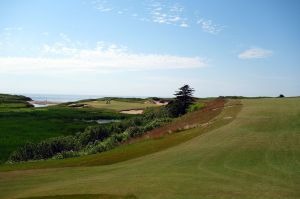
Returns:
(59,98)
(67,98)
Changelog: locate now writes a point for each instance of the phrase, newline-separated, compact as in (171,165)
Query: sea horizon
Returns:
(67,97)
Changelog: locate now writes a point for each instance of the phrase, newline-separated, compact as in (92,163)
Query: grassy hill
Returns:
(255,154)
(145,144)
(119,104)
(13,101)
(20,122)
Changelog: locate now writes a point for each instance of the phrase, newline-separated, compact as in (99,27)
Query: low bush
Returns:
(66,154)
(45,149)
(155,123)
(91,134)
(93,139)
(195,107)
(134,131)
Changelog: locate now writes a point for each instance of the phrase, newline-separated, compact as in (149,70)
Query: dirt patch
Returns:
(133,112)
(159,103)
(156,102)
(201,117)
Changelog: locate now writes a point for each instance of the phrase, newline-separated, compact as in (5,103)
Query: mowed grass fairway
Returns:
(256,155)
(117,105)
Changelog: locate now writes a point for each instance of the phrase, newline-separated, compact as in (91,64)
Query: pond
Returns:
(40,105)
(103,121)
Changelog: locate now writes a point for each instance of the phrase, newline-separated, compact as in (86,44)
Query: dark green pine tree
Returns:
(184,98)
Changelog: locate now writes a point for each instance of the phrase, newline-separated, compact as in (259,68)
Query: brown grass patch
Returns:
(188,121)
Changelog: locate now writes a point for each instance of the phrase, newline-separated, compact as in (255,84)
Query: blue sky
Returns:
(150,47)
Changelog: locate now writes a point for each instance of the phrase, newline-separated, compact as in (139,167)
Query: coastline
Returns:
(44,103)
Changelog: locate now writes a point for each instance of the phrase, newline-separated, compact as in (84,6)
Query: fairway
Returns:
(255,155)
(119,105)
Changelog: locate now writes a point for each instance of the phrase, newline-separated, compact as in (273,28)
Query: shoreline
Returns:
(44,103)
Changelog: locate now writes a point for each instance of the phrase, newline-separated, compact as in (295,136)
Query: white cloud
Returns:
(59,49)
(7,33)
(102,5)
(161,12)
(13,29)
(103,58)
(254,53)
(168,14)
(65,46)
(209,26)
(184,25)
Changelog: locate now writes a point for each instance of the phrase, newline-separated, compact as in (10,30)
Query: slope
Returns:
(257,155)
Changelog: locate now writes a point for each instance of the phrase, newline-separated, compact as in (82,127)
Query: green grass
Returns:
(20,125)
(118,105)
(12,105)
(85,196)
(196,106)
(13,98)
(253,155)
(137,149)
(13,101)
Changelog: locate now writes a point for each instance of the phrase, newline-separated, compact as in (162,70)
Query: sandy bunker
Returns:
(133,112)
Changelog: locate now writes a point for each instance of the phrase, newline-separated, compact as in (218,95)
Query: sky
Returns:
(150,47)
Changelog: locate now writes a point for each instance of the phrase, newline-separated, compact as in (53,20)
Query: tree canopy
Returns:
(184,98)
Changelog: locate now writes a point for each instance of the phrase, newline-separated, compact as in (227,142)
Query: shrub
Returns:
(121,137)
(138,121)
(94,139)
(92,134)
(155,123)
(195,107)
(24,153)
(102,146)
(45,149)
(66,154)
(174,108)
(153,113)
(134,131)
